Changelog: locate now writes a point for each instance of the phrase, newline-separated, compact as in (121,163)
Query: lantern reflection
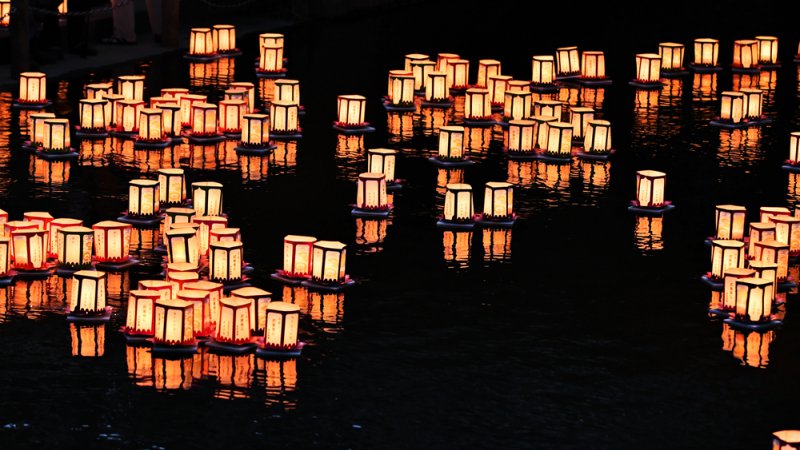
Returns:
(370,234)
(172,373)
(400,126)
(648,234)
(749,347)
(496,244)
(88,341)
(280,378)
(234,375)
(139,364)
(457,248)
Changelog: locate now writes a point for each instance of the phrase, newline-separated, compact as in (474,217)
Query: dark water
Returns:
(583,327)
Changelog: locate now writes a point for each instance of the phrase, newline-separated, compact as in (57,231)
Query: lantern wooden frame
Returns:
(284,120)
(420,70)
(725,254)
(53,227)
(32,91)
(459,207)
(29,252)
(384,160)
(297,259)
(768,52)
(255,137)
(551,108)
(730,222)
(792,163)
(287,90)
(650,190)
(457,71)
(443,58)
(99,90)
(597,142)
(787,231)
(753,101)
(559,142)
(127,118)
(371,196)
(144,203)
(786,440)
(270,61)
(521,139)
(226,263)
(201,301)
(579,117)
(754,298)
(325,277)
(204,127)
(208,223)
(259,300)
(400,96)
(775,252)
(131,87)
(94,284)
(36,129)
(230,116)
(183,245)
(517,105)
(56,138)
(6,274)
(281,330)
(477,108)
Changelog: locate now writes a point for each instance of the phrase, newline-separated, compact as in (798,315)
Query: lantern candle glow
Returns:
(225,262)
(457,71)
(183,246)
(517,105)
(730,221)
(477,108)
(143,203)
(730,277)
(650,186)
(201,301)
(328,267)
(208,223)
(214,291)
(186,102)
(757,232)
(648,71)
(787,231)
(140,321)
(54,226)
(498,204)
(201,45)
(127,117)
(793,162)
(451,147)
(753,301)
(283,120)
(297,259)
(204,124)
(29,250)
(671,58)
(745,55)
(56,139)
(74,247)
(88,297)
(725,254)
(280,330)
(151,129)
(420,71)
(593,68)
(32,90)
(250,90)
(543,73)
(174,327)
(233,325)
(767,52)
(371,197)
(383,160)
(230,116)
(773,251)
(437,93)
(112,242)
(521,138)
(255,135)
(270,61)
(458,207)
(259,301)
(95,115)
(36,128)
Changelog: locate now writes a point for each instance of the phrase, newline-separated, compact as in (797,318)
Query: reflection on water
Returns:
(266,91)
(595,175)
(171,374)
(704,87)
(477,140)
(280,379)
(569,94)
(325,310)
(520,173)
(552,176)
(672,93)
(592,97)
(457,248)
(31,298)
(400,126)
(233,373)
(88,341)
(51,173)
(749,347)
(370,234)
(349,156)
(215,74)
(447,176)
(140,365)
(648,234)
(284,157)
(497,245)
(253,167)
(645,117)
(434,118)
(739,147)
(93,152)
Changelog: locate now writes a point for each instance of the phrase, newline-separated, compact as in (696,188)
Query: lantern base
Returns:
(136,338)
(274,353)
(753,70)
(553,159)
(124,134)
(674,73)
(594,156)
(56,156)
(700,68)
(594,81)
(247,269)
(230,53)
(285,136)
(651,211)
(367,213)
(520,156)
(399,108)
(139,221)
(28,146)
(714,285)
(281,74)
(67,272)
(478,123)
(232,135)
(163,349)
(734,126)
(19,105)
(313,285)
(287,280)
(6,280)
(90,134)
(200,58)
(652,85)
(93,318)
(116,267)
(496,223)
(157,144)
(787,285)
(448,225)
(349,131)
(564,77)
(254,151)
(436,105)
(545,88)
(463,163)
(791,168)
(36,274)
(229,286)
(753,326)
(719,313)
(205,139)
(222,347)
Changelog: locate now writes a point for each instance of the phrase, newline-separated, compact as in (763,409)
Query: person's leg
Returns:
(124,16)
(154,8)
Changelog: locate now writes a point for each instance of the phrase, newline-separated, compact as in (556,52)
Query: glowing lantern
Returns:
(552,108)
(259,300)
(32,89)
(442,59)
(201,302)
(161,287)
(543,70)
(95,115)
(151,130)
(255,132)
(648,69)
(287,91)
(517,105)
(98,90)
(650,188)
(141,319)
(436,89)
(542,129)
(251,92)
(794,147)
(131,87)
(187,102)
(382,160)
(772,251)
(786,440)
(598,137)
(233,326)
(204,120)
(671,56)
(271,53)
(113,100)
(559,139)
(182,246)
(280,330)
(5,13)
(767,50)
(179,280)
(283,118)
(726,254)
(214,293)
(567,62)
(201,43)
(225,261)
(521,135)
(174,323)
(477,106)
(706,52)
(451,143)
(593,65)
(207,223)
(230,115)
(40,218)
(351,111)
(767,271)
(745,54)
(112,241)
(498,201)
(172,186)
(56,136)
(174,93)
(5,258)
(486,69)
(787,231)
(225,235)
(753,300)
(759,231)
(420,71)
(14,225)
(207,198)
(766,212)
(730,220)
(36,127)
(55,225)
(74,246)
(88,293)
(401,90)
(371,193)
(458,205)
(732,107)
(518,85)
(143,198)
(127,115)
(328,265)
(753,98)
(297,262)
(457,72)
(498,84)
(730,278)
(159,101)
(224,39)
(413,57)
(29,248)
(174,216)
(580,118)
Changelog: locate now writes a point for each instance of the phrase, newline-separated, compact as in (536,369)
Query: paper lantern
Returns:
(542,130)
(32,88)
(225,235)
(259,300)
(99,90)
(753,300)
(671,56)
(74,246)
(29,249)
(112,241)
(551,108)
(174,216)
(745,54)
(250,88)
(410,58)
(207,198)
(567,61)
(436,88)
(280,330)
(650,188)
(224,38)
(420,70)
(328,265)
(203,325)
(56,136)
(54,226)
(759,231)
(382,160)
(794,147)
(371,192)
(131,87)
(543,67)
(5,257)
(297,252)
(517,105)
(767,271)
(772,251)
(255,130)
(498,84)
(161,287)
(114,110)
(730,220)
(486,69)
(204,120)
(36,127)
(3,221)
(559,139)
(498,201)
(230,115)
(476,105)
(187,102)
(183,246)
(726,254)
(174,323)
(88,293)
(158,101)
(151,121)
(141,319)
(287,91)
(214,293)
(648,68)
(598,137)
(127,115)
(706,52)
(10,227)
(201,42)
(225,261)
(518,85)
(457,71)
(732,108)
(458,205)
(767,50)
(451,143)
(351,111)
(95,115)
(143,198)
(233,326)
(207,223)
(521,136)
(283,118)
(442,59)
(787,231)
(730,277)
(179,280)
(171,186)
(786,439)
(5,13)
(40,218)
(766,212)
(753,98)
(271,52)
(174,93)
(401,90)
(593,65)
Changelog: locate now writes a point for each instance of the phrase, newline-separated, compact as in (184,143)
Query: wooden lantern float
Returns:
(270,61)
(753,310)
(230,116)
(517,105)
(225,264)
(250,89)
(140,321)
(437,93)
(233,327)
(127,118)
(88,299)
(328,267)
(131,87)
(280,331)
(201,45)
(420,70)
(706,55)
(400,96)
(773,251)
(32,91)
(731,111)
(672,55)
(451,151)
(144,206)
(174,327)
(297,259)
(73,249)
(384,160)
(745,56)
(255,135)
(183,245)
(459,211)
(521,139)
(477,108)
(204,124)
(95,115)
(187,102)
(112,242)
(487,68)
(208,223)
(54,226)
(6,274)
(498,205)
(498,84)
(457,72)
(151,129)
(768,52)
(172,186)
(56,143)
(650,186)
(284,121)
(792,163)
(201,301)
(29,252)
(786,439)
(648,71)
(207,198)
(757,232)
(36,129)
(259,300)
(99,90)
(351,109)
(543,78)
(224,40)
(568,63)
(597,142)
(371,197)
(593,69)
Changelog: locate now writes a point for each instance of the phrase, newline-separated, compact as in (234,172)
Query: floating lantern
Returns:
(36,127)
(650,186)
(436,89)
(552,108)
(648,71)
(40,218)
(706,53)
(732,109)
(542,130)
(131,87)
(371,197)
(74,247)
(451,147)
(174,326)
(787,231)
(517,105)
(772,251)
(187,102)
(230,115)
(250,89)
(753,99)
(725,254)
(498,84)
(420,71)
(328,266)
(151,128)
(458,207)
(580,118)
(5,13)
(14,225)
(351,110)
(759,231)
(6,278)
(401,91)
(179,280)
(567,62)
(112,241)
(225,262)
(382,160)
(207,198)
(53,228)
(213,291)
(56,136)
(753,300)
(174,93)
(280,330)
(297,262)
(141,320)
(442,59)
(143,202)
(32,90)
(95,115)
(766,212)
(671,58)
(233,326)
(225,235)
(183,246)
(767,51)
(498,204)
(259,300)
(457,71)
(173,216)
(477,107)
(486,69)
(283,119)
(786,440)
(559,140)
(543,78)
(745,54)
(224,39)
(767,271)
(114,110)
(270,62)
(204,123)
(598,138)
(88,299)
(255,134)
(521,137)
(127,116)
(730,277)
(29,249)
(730,220)
(794,151)
(99,90)
(593,67)
(158,101)
(163,288)
(172,186)
(201,44)
(288,91)
(207,223)
(203,325)
(414,57)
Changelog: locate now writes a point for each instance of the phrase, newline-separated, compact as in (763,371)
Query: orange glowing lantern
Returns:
(225,261)
(203,325)
(141,319)
(297,259)
(567,62)
(580,118)
(36,127)
(284,119)
(517,105)
(151,127)
(671,57)
(5,13)
(772,251)
(201,44)
(753,99)
(451,144)
(287,91)
(174,93)
(40,218)
(786,439)
(259,300)
(518,85)
(753,300)
(767,50)
(442,59)
(598,137)
(766,270)
(371,197)
(351,110)
(113,100)
(225,235)
(650,186)
(127,116)
(95,115)
(745,54)
(213,291)
(498,202)
(74,246)
(204,121)
(382,160)
(559,140)
(551,108)
(88,297)
(179,280)
(730,220)
(143,198)
(498,84)
(56,136)
(230,115)
(436,89)
(32,89)
(99,90)
(163,288)
(410,58)
(765,213)
(401,90)
(543,69)
(29,249)
(174,216)
(14,225)
(648,70)
(757,232)
(55,225)
(328,265)
(458,205)
(270,61)
(233,326)
(732,109)
(521,137)
(726,254)
(112,241)
(420,71)
(457,71)
(787,231)
(172,186)
(280,330)
(255,132)
(706,53)
(486,69)
(250,88)
(542,130)
(158,101)
(5,261)
(593,65)
(730,278)
(477,106)
(174,324)
(187,102)
(207,198)
(794,148)
(208,223)
(131,87)
(183,245)
(224,39)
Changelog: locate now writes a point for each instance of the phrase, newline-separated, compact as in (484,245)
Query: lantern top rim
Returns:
(171,171)
(751,91)
(131,102)
(179,210)
(448,55)
(224,231)
(143,182)
(371,176)
(94,274)
(570,47)
(233,102)
(451,129)
(283,307)
(38,214)
(745,42)
(195,97)
(762,225)
(27,231)
(214,219)
(581,109)
(516,92)
(77,229)
(599,122)
(564,125)
(184,226)
(202,285)
(181,231)
(727,243)
(522,122)
(56,120)
(671,44)
(499,184)
(234,302)
(299,239)
(541,119)
(173,304)
(206,184)
(184,276)
(707,40)
(223,26)
(458,187)
(111,224)
(284,103)
(543,58)
(93,101)
(251,292)
(247,84)
(754,281)
(548,102)
(772,243)
(651,173)
(352,97)
(423,62)
(42,115)
(227,245)
(255,116)
(67,221)
(201,30)
(131,77)
(144,293)
(499,77)
(181,267)
(763,265)
(32,75)
(785,219)
(382,151)
(191,294)
(735,208)
(284,81)
(155,284)
(739,271)
(788,436)
(488,62)
(330,245)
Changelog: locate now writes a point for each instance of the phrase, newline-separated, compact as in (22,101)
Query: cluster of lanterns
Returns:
(207,44)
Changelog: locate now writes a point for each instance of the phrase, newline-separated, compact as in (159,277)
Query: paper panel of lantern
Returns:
(143,198)
(182,245)
(225,261)
(159,101)
(543,70)
(451,143)
(519,85)
(498,85)
(486,69)
(287,91)
(436,88)
(551,108)
(29,249)
(225,235)
(579,116)
(297,256)
(88,293)
(127,115)
(174,216)
(650,186)
(745,54)
(270,53)
(794,148)
(54,226)
(420,71)
(151,126)
(730,277)
(140,320)
(114,110)
(726,254)
(457,71)
(95,115)
(255,131)
(131,87)
(410,58)
(351,111)
(787,231)
(5,257)
(759,231)
(786,439)
(765,270)
(36,127)
(671,56)
(201,43)
(517,105)
(772,251)
(207,198)
(730,221)
(371,192)
(207,223)
(172,186)
(282,322)
(233,326)
(32,88)
(99,90)
(753,300)
(204,120)
(458,204)
(112,241)
(521,136)
(559,139)
(382,160)
(283,118)
(201,302)
(224,39)
(542,130)
(753,99)
(328,265)
(767,50)
(648,69)
(174,323)
(74,246)
(442,59)
(766,212)
(593,65)
(706,52)
(567,61)
(162,287)
(230,115)
(56,137)
(498,200)
(259,300)
(40,218)
(598,137)
(476,105)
